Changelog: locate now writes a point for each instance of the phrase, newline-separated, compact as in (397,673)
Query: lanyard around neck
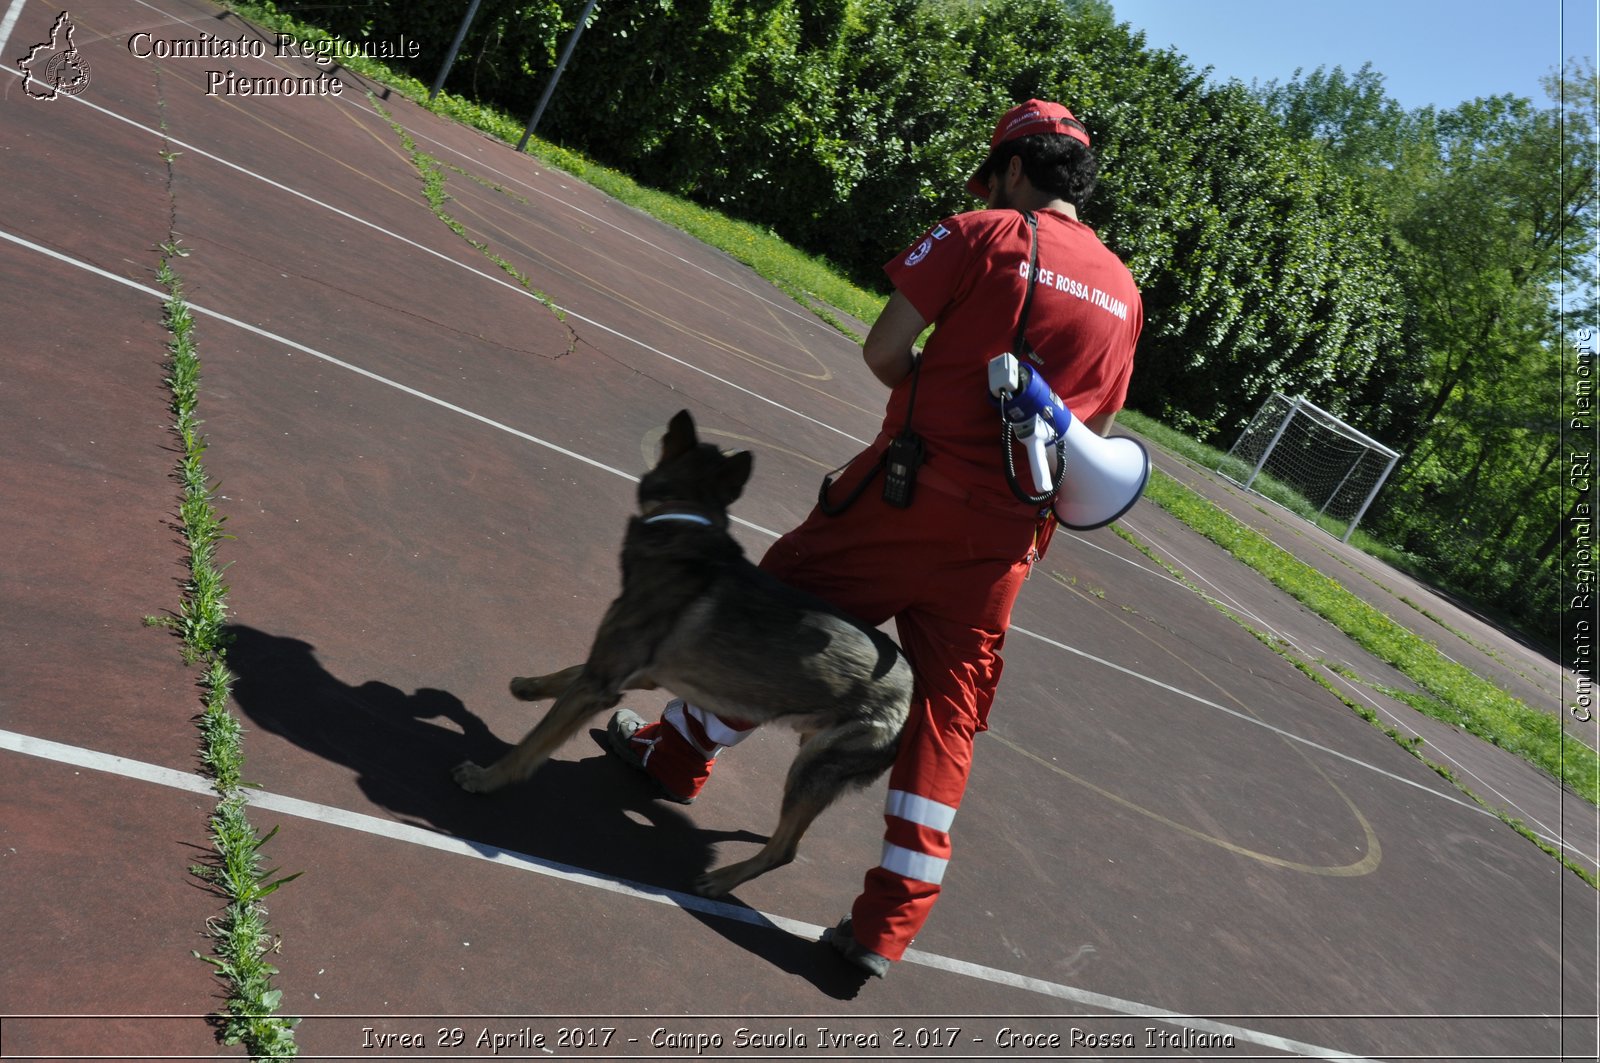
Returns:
(1019,346)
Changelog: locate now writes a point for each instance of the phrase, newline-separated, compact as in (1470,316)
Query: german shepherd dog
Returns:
(695,617)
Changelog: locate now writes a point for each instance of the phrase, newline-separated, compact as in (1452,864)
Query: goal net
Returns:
(1308,460)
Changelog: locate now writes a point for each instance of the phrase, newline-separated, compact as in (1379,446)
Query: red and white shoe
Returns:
(638,744)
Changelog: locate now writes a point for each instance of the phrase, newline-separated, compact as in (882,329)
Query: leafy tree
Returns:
(1490,207)
(1355,122)
(1261,265)
(508,51)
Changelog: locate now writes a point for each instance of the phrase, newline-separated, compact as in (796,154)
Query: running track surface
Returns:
(1175,844)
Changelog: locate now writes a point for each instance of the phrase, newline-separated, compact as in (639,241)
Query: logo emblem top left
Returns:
(55,67)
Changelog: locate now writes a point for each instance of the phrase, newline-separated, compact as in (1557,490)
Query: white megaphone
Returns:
(1102,478)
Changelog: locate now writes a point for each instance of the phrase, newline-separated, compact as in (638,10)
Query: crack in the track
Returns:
(432,173)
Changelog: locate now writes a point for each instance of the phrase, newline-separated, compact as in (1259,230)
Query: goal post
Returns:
(1310,461)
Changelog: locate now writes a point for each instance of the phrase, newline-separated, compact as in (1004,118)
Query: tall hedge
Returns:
(848,126)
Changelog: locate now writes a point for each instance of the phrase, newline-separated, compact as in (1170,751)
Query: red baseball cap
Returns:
(1024,120)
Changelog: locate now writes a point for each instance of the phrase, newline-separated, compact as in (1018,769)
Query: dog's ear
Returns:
(734,474)
(680,437)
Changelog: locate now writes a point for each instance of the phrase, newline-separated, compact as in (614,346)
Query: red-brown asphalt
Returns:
(425,471)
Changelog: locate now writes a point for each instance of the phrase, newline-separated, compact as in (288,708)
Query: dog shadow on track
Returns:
(606,819)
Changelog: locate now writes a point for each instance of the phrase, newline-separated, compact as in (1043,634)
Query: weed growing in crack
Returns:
(240,939)
(432,173)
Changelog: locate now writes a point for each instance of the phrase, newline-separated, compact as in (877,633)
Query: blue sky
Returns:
(1437,52)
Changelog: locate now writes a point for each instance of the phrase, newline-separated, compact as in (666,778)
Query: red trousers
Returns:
(947,570)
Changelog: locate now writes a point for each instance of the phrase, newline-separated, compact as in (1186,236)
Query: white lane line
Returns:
(1222,597)
(78,757)
(1531,819)
(7,26)
(358,103)
(574,455)
(330,359)
(501,281)
(787,306)
(1247,718)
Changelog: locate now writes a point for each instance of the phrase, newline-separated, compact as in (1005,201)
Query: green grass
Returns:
(1208,457)
(432,174)
(240,938)
(1453,693)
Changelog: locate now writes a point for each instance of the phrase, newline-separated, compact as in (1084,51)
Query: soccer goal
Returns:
(1307,459)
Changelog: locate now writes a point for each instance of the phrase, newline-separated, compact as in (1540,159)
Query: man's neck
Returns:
(1060,206)
(1037,201)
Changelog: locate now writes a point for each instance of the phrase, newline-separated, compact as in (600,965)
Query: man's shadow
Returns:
(594,814)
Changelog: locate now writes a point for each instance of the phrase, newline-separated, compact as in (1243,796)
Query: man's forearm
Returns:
(887,350)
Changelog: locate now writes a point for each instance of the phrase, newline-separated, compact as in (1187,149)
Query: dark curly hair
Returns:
(1054,163)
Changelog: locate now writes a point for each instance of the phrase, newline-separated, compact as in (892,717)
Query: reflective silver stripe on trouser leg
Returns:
(923,817)
(702,729)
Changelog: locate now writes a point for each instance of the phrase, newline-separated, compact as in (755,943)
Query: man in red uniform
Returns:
(948,567)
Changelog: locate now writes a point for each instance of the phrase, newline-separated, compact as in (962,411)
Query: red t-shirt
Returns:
(968,276)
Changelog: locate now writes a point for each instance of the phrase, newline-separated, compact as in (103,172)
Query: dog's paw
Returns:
(720,882)
(471,777)
(708,885)
(523,689)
